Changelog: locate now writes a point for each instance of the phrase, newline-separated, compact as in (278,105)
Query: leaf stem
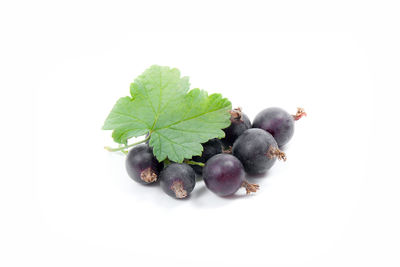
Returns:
(123,148)
(191,162)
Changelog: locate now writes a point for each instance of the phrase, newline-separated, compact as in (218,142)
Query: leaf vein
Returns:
(191,118)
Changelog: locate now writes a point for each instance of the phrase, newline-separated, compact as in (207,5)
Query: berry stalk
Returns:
(110,149)
(191,162)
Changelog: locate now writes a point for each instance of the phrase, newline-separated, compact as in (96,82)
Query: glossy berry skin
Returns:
(141,164)
(238,125)
(178,180)
(223,174)
(252,149)
(211,148)
(277,122)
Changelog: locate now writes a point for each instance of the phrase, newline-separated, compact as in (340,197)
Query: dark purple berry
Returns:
(239,123)
(257,150)
(211,148)
(178,180)
(141,164)
(278,122)
(223,174)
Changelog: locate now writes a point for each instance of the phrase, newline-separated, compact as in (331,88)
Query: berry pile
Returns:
(246,148)
(189,133)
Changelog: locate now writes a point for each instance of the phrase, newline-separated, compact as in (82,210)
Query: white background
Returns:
(64,201)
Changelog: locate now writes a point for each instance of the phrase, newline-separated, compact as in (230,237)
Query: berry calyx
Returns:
(178,188)
(274,152)
(148,175)
(250,188)
(299,114)
(227,150)
(236,114)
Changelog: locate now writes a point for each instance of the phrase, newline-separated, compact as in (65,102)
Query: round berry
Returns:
(178,180)
(211,148)
(257,150)
(239,123)
(223,174)
(141,164)
(278,122)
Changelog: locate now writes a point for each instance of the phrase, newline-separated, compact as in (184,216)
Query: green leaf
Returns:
(177,119)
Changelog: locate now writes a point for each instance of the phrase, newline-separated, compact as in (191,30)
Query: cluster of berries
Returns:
(246,148)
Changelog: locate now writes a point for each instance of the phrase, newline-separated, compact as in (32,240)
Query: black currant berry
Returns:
(178,180)
(211,148)
(278,122)
(257,150)
(239,123)
(141,164)
(223,174)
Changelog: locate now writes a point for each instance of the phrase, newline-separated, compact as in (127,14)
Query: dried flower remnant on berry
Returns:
(236,114)
(299,114)
(250,188)
(148,175)
(177,187)
(274,152)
